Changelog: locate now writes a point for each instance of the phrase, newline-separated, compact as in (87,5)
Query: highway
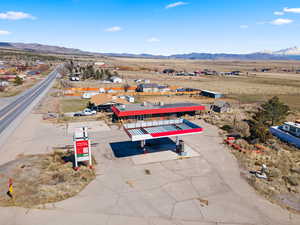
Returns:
(14,109)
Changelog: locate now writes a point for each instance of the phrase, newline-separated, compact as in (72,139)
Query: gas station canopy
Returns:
(143,130)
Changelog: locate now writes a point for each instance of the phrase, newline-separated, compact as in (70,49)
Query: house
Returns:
(104,102)
(4,83)
(116,79)
(152,87)
(211,94)
(221,107)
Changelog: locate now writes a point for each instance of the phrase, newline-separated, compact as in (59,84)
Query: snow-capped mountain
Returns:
(288,51)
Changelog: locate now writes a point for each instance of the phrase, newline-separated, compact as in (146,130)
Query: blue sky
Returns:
(153,26)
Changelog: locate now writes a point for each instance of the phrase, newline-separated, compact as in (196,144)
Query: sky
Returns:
(161,27)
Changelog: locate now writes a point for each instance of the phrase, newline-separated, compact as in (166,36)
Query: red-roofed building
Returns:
(148,110)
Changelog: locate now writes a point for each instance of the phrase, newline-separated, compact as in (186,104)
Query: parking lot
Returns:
(203,189)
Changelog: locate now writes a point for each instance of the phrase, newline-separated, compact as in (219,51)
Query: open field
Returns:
(73,105)
(250,88)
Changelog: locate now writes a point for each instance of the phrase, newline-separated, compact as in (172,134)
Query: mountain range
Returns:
(284,54)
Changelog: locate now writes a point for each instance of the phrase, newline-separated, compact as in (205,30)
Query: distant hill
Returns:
(210,56)
(40,48)
(284,54)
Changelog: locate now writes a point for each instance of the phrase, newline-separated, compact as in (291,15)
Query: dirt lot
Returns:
(42,178)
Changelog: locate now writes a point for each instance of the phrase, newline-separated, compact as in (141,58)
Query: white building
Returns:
(116,79)
(4,83)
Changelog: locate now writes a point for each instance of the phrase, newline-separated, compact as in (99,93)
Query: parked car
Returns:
(74,78)
(86,112)
(105,107)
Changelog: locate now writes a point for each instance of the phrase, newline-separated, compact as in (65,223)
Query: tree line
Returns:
(89,72)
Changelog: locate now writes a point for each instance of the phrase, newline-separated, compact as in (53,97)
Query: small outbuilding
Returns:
(211,94)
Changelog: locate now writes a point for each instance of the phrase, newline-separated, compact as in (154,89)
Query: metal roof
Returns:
(150,109)
(148,105)
(161,128)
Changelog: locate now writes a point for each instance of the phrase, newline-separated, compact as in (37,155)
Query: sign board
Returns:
(82,146)
(82,150)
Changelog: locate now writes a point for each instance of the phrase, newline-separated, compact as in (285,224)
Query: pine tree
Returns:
(18,80)
(271,113)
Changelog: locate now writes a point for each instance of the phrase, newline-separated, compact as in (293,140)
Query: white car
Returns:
(86,112)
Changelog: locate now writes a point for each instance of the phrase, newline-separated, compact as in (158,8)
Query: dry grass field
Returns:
(248,88)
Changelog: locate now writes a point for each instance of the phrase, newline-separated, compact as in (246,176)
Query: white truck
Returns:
(86,112)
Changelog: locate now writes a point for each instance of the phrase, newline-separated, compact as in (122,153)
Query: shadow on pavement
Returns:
(129,148)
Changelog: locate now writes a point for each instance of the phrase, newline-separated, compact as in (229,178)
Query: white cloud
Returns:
(291,10)
(244,26)
(12,15)
(153,39)
(4,32)
(281,21)
(278,13)
(175,4)
(113,29)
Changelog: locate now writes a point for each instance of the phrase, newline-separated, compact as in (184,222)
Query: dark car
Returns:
(104,108)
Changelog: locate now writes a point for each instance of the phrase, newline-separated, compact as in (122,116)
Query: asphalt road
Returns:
(13,110)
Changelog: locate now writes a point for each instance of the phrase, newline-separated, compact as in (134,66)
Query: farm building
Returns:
(160,111)
(211,94)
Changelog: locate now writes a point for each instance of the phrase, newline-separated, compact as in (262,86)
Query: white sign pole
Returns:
(75,154)
(90,154)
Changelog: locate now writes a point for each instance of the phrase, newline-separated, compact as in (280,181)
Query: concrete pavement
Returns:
(174,192)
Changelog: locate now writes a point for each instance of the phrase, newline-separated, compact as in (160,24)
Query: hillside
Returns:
(40,48)
(284,54)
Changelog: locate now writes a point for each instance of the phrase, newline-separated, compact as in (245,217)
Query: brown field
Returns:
(251,88)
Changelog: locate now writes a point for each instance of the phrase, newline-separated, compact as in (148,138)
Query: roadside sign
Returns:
(82,150)
(82,147)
